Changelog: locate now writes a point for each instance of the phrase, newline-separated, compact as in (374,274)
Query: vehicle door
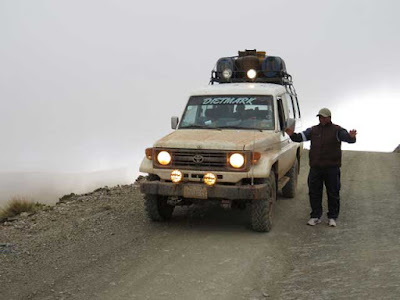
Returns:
(288,148)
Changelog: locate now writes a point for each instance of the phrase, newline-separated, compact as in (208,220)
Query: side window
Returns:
(289,105)
(297,106)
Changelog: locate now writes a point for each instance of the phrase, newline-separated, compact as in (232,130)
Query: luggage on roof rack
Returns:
(251,66)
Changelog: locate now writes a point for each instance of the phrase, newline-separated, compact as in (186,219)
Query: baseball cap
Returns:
(324,112)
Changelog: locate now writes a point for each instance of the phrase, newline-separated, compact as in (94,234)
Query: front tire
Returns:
(289,190)
(262,210)
(157,208)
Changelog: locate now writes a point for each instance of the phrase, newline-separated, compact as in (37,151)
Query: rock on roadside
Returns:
(36,249)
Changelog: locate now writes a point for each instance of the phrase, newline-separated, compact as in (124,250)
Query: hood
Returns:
(219,139)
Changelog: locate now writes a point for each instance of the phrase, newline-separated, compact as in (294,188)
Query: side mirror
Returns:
(174,122)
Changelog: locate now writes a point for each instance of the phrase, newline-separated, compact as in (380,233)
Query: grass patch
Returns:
(18,205)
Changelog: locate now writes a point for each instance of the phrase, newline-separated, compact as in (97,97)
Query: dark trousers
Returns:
(316,178)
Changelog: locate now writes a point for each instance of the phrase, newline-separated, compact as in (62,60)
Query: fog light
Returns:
(210,179)
(251,74)
(176,176)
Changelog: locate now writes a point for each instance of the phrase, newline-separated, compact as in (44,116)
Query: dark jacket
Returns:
(325,150)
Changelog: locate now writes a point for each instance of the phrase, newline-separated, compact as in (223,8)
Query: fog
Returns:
(86,86)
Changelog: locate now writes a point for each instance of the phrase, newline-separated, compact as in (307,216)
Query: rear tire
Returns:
(262,210)
(157,208)
(289,190)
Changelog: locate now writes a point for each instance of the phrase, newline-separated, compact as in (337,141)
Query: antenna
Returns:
(254,146)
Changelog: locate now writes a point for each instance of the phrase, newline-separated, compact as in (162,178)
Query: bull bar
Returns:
(218,191)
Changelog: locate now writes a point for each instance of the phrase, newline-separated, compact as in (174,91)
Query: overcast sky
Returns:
(88,85)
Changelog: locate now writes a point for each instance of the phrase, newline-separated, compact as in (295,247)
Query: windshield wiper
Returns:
(195,127)
(230,127)
(239,127)
(218,128)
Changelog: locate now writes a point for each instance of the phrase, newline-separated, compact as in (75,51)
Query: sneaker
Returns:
(332,223)
(314,221)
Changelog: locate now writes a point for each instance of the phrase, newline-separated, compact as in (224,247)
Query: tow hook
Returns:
(226,204)
(174,201)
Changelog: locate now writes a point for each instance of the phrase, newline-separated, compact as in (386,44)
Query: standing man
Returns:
(325,162)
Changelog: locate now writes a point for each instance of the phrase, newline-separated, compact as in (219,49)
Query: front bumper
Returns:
(202,191)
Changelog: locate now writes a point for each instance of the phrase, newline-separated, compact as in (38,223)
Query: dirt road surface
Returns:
(101,246)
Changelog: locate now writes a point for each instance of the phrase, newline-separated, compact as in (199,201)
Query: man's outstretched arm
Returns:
(349,137)
(299,137)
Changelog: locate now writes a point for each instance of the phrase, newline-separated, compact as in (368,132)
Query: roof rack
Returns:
(251,66)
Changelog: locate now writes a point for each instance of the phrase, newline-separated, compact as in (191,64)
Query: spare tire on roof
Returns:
(273,66)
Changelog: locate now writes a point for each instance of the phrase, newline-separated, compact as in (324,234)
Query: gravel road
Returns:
(101,246)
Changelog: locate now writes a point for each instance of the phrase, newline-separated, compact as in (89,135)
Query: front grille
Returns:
(211,160)
(189,159)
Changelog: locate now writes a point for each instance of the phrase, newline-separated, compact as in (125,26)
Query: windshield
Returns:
(236,112)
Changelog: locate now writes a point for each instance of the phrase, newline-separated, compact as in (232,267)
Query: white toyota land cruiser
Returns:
(230,145)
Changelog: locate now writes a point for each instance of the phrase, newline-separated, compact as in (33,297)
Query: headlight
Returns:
(236,160)
(164,158)
(251,74)
(227,73)
(176,176)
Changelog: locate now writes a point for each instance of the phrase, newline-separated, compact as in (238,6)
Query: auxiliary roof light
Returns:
(227,74)
(176,176)
(164,158)
(210,178)
(251,74)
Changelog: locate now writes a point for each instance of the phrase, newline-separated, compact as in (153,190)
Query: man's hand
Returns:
(353,133)
(289,131)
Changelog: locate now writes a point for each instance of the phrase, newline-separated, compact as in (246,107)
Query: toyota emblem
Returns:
(198,159)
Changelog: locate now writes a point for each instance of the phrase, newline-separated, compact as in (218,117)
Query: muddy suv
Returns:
(230,145)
